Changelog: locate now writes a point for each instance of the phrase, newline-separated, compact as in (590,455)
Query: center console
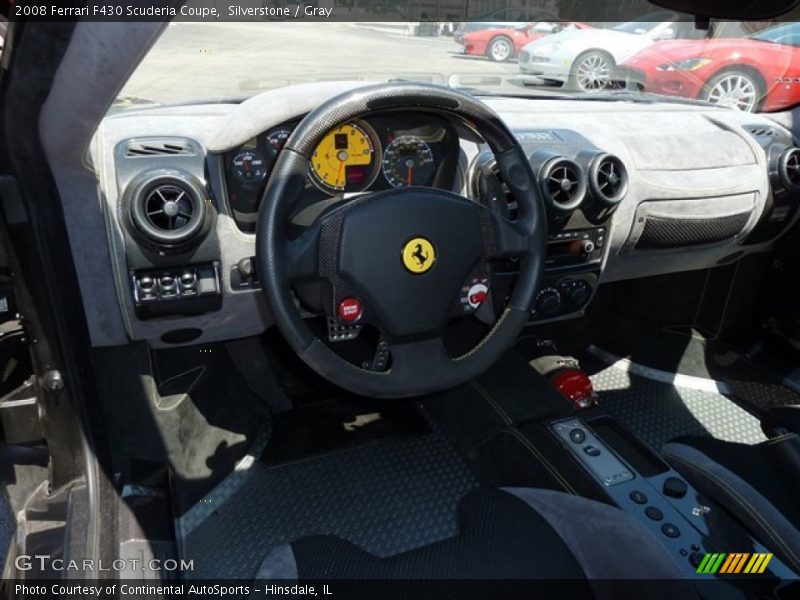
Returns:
(702,538)
(572,270)
(581,187)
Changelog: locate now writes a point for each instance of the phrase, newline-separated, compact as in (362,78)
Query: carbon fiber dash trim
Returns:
(676,233)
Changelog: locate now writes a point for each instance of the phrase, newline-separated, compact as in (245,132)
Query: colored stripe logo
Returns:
(734,563)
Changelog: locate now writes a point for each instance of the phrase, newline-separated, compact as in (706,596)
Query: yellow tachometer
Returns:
(345,159)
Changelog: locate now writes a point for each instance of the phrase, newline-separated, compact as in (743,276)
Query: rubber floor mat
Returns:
(658,412)
(386,497)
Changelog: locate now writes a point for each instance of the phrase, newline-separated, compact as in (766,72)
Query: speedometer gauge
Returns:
(344,160)
(248,166)
(408,161)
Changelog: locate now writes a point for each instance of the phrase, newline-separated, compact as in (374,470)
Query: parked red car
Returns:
(505,43)
(759,72)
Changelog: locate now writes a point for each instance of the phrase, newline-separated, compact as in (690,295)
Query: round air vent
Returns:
(608,179)
(789,168)
(167,207)
(563,184)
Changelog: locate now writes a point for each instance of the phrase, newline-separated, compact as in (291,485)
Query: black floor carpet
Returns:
(386,495)
(752,379)
(657,411)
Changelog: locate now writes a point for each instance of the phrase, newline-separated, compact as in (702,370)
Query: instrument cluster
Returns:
(365,155)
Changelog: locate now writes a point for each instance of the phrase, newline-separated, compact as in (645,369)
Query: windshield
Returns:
(788,34)
(641,26)
(195,62)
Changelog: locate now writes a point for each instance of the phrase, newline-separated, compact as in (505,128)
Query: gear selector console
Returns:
(593,453)
(639,482)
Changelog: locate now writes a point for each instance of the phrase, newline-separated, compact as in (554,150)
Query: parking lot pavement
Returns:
(195,61)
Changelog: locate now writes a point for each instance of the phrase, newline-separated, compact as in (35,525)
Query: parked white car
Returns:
(586,58)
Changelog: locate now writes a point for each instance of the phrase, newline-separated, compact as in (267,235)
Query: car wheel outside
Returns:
(734,89)
(591,71)
(500,49)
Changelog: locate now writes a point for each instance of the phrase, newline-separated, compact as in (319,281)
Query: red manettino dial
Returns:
(575,386)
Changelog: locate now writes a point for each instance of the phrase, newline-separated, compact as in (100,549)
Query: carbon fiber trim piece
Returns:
(676,233)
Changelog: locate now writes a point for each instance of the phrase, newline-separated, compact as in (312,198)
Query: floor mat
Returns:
(387,497)
(753,372)
(658,411)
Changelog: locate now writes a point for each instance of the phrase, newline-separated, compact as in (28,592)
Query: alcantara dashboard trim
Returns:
(666,150)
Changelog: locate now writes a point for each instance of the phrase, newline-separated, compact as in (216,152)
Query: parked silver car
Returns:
(586,58)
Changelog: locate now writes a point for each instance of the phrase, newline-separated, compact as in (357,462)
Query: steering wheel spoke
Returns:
(302,254)
(414,359)
(509,239)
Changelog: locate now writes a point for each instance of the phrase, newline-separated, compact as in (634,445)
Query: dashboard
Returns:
(712,186)
(367,155)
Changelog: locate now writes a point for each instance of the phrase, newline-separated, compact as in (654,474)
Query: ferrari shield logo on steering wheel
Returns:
(419,255)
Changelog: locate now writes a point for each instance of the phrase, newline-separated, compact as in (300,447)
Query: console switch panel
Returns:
(598,458)
(176,291)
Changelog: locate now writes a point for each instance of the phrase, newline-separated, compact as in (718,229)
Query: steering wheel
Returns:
(398,259)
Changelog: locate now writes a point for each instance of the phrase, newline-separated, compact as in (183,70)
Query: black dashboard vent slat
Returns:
(563,184)
(760,131)
(608,179)
(159,148)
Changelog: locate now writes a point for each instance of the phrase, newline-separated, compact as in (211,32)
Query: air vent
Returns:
(789,168)
(159,148)
(167,207)
(760,130)
(608,179)
(563,184)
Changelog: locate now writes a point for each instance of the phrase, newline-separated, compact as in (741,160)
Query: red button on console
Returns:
(477,298)
(350,310)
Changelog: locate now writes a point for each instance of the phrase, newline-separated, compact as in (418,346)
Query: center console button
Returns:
(167,285)
(638,497)
(577,436)
(653,513)
(592,450)
(579,294)
(245,267)
(695,558)
(548,302)
(675,488)
(188,281)
(670,530)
